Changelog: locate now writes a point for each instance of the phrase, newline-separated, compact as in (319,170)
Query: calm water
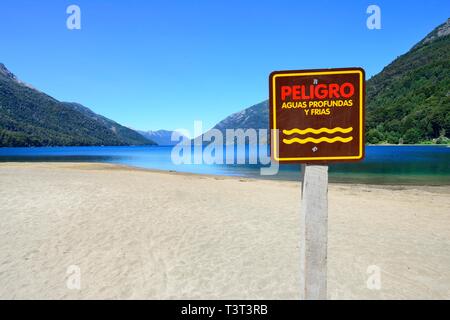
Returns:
(424,165)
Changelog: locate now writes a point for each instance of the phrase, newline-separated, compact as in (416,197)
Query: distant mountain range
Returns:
(407,102)
(29,117)
(161,137)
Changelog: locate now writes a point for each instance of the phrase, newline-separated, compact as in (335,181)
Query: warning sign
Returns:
(317,115)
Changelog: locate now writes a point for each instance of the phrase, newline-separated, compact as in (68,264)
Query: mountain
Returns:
(256,116)
(131,137)
(29,117)
(407,102)
(161,137)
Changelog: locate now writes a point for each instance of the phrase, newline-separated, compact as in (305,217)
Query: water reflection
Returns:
(428,165)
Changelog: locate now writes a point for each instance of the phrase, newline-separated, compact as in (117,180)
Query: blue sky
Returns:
(164,64)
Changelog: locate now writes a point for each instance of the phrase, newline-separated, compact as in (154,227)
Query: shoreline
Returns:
(151,145)
(123,167)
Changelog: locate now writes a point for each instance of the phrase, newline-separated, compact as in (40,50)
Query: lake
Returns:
(413,165)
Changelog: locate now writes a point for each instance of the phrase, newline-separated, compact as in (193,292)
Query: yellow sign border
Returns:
(274,102)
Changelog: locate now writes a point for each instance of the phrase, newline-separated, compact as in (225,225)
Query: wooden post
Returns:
(314,232)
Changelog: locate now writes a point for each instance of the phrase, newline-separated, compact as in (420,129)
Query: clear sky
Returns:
(163,64)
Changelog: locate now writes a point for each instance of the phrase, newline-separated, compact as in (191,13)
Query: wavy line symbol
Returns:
(314,140)
(317,131)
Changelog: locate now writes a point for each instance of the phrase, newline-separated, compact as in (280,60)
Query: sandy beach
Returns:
(139,234)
